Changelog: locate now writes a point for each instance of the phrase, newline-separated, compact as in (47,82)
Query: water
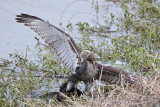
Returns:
(15,36)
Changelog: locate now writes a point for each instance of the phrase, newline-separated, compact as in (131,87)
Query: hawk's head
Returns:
(87,55)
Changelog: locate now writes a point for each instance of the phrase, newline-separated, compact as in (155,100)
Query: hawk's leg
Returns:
(88,87)
(72,82)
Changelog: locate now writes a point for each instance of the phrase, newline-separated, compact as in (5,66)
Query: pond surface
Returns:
(15,36)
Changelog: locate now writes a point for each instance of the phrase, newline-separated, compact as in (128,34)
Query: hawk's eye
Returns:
(88,59)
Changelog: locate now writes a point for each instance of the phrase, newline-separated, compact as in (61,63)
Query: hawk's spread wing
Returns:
(62,43)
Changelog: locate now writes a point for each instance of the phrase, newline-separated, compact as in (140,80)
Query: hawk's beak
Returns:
(79,61)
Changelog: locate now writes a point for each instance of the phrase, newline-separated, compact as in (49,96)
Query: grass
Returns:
(136,46)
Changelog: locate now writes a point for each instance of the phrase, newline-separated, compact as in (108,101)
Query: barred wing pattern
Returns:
(63,45)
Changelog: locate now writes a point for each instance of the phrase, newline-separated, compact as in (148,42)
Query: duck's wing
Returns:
(63,45)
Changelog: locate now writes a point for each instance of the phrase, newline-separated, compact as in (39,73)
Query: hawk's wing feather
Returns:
(63,45)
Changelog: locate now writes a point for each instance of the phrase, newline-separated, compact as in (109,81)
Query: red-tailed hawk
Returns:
(64,46)
(84,63)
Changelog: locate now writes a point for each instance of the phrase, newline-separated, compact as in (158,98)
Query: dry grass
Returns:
(145,95)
